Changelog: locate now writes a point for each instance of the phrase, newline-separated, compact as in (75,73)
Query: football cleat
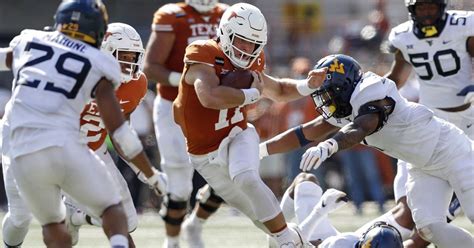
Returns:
(192,233)
(72,229)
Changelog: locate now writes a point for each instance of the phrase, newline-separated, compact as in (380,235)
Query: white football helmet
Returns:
(121,37)
(202,6)
(248,23)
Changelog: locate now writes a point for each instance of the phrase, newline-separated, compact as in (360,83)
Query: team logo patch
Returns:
(337,67)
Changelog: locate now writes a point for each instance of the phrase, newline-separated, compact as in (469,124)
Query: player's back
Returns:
(411,132)
(54,77)
(441,62)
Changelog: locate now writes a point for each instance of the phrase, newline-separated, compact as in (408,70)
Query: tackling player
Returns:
(368,108)
(438,45)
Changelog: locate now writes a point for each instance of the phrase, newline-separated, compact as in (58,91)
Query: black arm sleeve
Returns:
(382,107)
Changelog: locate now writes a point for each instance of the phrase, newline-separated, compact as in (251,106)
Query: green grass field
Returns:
(226,229)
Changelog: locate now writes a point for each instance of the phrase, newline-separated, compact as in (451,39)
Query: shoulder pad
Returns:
(171,9)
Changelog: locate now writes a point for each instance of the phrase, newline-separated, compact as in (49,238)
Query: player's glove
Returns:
(158,182)
(314,156)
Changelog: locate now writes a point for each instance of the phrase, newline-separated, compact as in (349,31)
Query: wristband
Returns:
(300,135)
(251,95)
(303,88)
(263,150)
(174,78)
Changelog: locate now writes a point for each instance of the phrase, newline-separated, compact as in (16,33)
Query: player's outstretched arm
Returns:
(400,70)
(314,131)
(350,135)
(126,138)
(214,96)
(286,89)
(6,58)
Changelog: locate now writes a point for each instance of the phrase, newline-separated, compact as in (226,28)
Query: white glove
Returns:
(158,182)
(314,156)
(331,200)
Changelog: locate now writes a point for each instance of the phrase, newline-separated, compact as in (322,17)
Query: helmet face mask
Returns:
(332,99)
(202,6)
(246,23)
(84,20)
(120,40)
(427,15)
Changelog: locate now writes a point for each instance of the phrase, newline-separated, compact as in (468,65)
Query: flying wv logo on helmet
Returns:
(332,99)
(337,67)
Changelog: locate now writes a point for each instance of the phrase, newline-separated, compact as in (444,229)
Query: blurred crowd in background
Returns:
(300,32)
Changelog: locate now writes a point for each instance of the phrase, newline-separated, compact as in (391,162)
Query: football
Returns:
(240,79)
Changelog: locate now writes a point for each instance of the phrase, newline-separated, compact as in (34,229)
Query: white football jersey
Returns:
(54,77)
(411,132)
(442,64)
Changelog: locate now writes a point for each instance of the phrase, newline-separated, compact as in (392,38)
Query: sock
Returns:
(172,241)
(283,237)
(195,220)
(313,226)
(387,217)
(118,241)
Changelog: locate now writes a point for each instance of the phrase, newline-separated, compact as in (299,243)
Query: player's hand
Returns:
(314,156)
(316,77)
(158,182)
(257,81)
(331,200)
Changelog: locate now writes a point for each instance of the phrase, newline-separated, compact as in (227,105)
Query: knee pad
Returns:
(426,233)
(18,220)
(169,203)
(205,194)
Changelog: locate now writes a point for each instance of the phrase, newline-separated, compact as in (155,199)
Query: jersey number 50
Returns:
(78,76)
(422,60)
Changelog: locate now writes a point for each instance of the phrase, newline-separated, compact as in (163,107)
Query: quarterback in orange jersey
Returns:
(223,148)
(123,42)
(176,25)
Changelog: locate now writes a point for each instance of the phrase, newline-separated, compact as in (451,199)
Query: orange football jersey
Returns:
(129,95)
(188,25)
(205,128)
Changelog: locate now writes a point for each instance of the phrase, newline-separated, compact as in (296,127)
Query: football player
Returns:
(223,148)
(305,204)
(55,75)
(176,25)
(366,108)
(124,43)
(438,45)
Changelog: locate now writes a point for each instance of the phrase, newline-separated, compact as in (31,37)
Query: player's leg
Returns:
(90,184)
(428,210)
(16,221)
(243,170)
(207,203)
(38,176)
